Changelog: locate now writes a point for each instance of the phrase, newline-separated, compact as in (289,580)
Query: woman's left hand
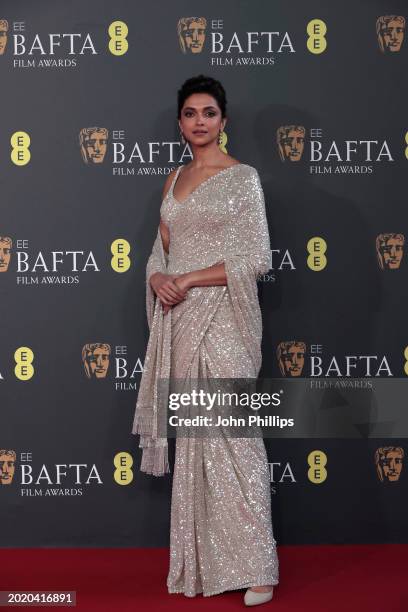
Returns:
(183,282)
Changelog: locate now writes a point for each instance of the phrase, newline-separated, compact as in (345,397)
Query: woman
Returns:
(205,322)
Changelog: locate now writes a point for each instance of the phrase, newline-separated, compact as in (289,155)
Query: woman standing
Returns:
(205,322)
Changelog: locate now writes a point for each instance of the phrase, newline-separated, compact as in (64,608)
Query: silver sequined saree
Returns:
(221,534)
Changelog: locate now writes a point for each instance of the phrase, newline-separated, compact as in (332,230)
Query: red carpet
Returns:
(369,578)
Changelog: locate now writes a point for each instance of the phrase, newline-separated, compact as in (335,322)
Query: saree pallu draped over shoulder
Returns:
(157,366)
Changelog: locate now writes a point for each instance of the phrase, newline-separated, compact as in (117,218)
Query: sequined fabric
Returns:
(221,535)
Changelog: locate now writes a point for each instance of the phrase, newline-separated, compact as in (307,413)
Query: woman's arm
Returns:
(165,234)
(164,230)
(213,275)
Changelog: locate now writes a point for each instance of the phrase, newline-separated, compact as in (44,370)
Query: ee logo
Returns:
(316,43)
(317,472)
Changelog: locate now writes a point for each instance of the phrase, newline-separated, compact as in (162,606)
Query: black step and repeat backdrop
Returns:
(317,103)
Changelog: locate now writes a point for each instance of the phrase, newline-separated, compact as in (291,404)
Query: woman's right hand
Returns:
(166,289)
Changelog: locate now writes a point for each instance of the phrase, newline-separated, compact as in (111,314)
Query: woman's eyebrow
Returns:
(195,108)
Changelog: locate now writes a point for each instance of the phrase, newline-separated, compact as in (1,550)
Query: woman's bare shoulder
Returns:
(232,161)
(228,162)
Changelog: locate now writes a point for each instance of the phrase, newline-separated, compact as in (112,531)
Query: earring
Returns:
(220,136)
(183,140)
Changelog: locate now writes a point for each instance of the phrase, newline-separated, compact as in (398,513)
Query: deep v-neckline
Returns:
(199,185)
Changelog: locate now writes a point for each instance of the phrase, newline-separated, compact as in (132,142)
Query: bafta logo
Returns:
(191,34)
(93,143)
(7,466)
(5,252)
(390,32)
(291,357)
(390,249)
(388,462)
(3,35)
(95,358)
(291,142)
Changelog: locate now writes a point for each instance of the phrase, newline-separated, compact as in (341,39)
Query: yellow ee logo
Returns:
(317,472)
(406,360)
(123,474)
(120,249)
(406,148)
(118,31)
(316,43)
(317,260)
(24,357)
(20,153)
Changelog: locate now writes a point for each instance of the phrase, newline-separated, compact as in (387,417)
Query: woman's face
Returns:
(201,113)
